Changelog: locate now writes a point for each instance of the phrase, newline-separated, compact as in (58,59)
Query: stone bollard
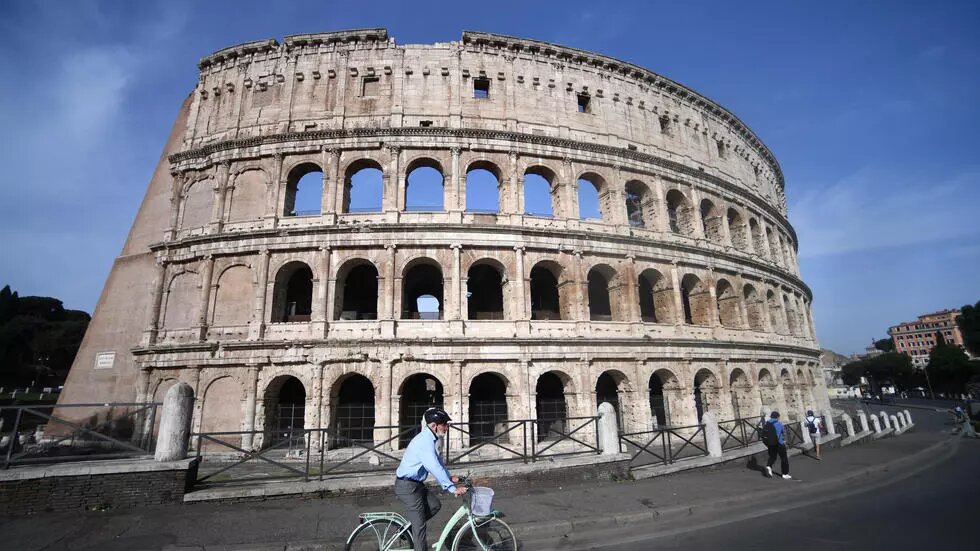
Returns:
(805,432)
(175,423)
(895,425)
(863,421)
(828,423)
(608,429)
(900,419)
(875,424)
(712,434)
(884,421)
(908,417)
(848,424)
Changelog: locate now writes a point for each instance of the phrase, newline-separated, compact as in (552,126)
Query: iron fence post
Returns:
(524,430)
(13,439)
(308,436)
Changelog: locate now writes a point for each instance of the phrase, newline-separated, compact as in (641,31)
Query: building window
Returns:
(481,88)
(370,86)
(665,125)
(721,149)
(584,103)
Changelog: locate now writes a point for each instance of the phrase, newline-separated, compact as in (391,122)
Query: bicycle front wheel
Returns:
(491,534)
(381,535)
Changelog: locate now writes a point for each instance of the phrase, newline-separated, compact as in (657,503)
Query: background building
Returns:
(917,338)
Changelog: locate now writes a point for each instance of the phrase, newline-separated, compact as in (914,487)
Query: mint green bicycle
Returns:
(392,532)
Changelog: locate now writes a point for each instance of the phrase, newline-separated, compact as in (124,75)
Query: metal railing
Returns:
(109,431)
(739,433)
(840,427)
(664,445)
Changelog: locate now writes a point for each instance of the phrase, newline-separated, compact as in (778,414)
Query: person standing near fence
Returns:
(815,426)
(773,435)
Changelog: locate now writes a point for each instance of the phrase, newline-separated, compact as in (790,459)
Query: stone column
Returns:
(631,301)
(251,392)
(257,330)
(696,214)
(713,320)
(581,288)
(662,222)
(159,282)
(522,308)
(223,170)
(204,299)
(569,199)
(318,439)
(608,429)
(456,305)
(175,423)
(272,206)
(712,434)
(333,183)
(516,186)
(675,281)
(393,196)
(454,197)
(828,423)
(390,288)
(766,313)
(179,180)
(321,278)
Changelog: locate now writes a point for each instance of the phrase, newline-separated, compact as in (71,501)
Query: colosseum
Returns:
(344,231)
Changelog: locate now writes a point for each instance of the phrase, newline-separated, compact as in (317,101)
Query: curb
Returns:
(559,528)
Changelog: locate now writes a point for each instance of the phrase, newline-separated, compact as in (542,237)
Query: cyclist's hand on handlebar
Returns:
(460,490)
(455,479)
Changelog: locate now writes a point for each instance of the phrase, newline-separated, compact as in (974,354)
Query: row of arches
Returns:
(540,191)
(356,415)
(553,291)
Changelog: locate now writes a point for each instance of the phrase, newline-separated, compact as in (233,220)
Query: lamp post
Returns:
(925,369)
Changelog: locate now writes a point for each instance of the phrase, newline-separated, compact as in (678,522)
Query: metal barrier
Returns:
(111,431)
(792,434)
(739,433)
(840,427)
(664,446)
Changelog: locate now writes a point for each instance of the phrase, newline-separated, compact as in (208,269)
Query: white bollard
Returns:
(828,423)
(608,429)
(875,424)
(863,421)
(712,434)
(908,417)
(884,421)
(848,424)
(895,425)
(805,432)
(175,423)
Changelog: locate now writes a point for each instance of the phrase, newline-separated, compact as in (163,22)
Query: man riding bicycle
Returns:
(420,459)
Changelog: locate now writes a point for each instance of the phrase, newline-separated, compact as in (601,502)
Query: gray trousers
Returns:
(421,506)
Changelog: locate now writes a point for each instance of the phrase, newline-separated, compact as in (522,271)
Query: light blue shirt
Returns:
(421,458)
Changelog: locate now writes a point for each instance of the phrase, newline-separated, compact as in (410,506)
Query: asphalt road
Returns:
(938,508)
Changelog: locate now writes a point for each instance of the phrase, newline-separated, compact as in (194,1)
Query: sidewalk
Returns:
(535,513)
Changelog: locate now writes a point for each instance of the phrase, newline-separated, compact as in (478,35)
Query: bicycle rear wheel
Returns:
(380,535)
(491,534)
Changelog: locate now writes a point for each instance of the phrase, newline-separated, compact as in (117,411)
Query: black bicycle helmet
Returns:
(436,415)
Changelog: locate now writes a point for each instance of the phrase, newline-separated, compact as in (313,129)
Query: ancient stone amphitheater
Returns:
(599,233)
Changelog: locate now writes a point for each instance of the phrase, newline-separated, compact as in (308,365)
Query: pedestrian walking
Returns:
(774,437)
(815,427)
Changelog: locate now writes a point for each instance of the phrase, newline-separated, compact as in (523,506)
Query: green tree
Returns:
(949,367)
(885,345)
(8,304)
(969,324)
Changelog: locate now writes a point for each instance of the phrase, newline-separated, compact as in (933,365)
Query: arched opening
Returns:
(417,394)
(229,308)
(293,293)
(711,221)
(679,213)
(741,390)
(485,293)
(792,321)
(551,406)
(488,407)
(422,296)
(754,309)
(767,391)
(540,199)
(363,187)
(607,388)
(640,210)
(424,186)
(285,412)
(483,188)
(197,208)
(737,230)
(659,403)
(696,301)
(728,311)
(304,191)
(705,390)
(600,308)
(353,412)
(775,312)
(758,241)
(545,299)
(588,198)
(357,292)
(775,252)
(656,297)
(784,247)
(790,395)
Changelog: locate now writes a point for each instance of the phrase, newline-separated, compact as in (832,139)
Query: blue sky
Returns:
(871,107)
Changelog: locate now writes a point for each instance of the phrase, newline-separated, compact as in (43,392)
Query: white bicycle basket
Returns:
(482,503)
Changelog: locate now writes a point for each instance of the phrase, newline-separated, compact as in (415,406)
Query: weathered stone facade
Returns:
(685,296)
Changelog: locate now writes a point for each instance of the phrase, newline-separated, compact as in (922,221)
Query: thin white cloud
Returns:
(874,209)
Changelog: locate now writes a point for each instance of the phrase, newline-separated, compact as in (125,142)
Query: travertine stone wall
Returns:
(695,281)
